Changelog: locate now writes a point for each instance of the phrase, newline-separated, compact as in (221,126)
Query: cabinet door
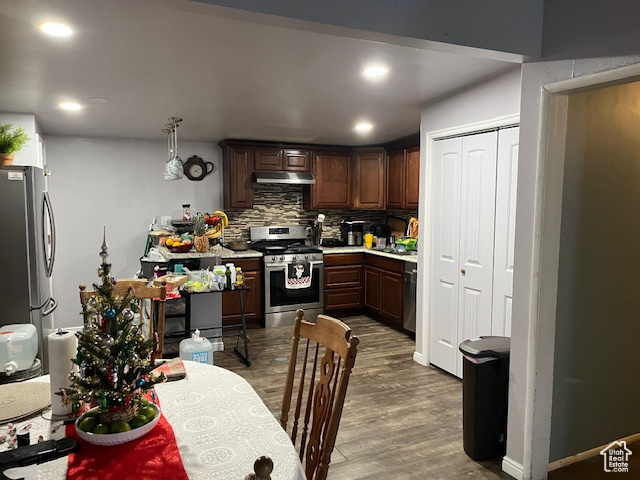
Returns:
(369,180)
(268,159)
(372,278)
(253,306)
(392,297)
(343,276)
(296,161)
(445,253)
(506,187)
(238,167)
(395,179)
(343,299)
(333,180)
(412,175)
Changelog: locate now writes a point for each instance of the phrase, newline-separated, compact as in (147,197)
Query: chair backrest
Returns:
(141,291)
(324,392)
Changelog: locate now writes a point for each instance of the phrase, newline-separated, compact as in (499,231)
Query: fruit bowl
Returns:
(181,248)
(111,439)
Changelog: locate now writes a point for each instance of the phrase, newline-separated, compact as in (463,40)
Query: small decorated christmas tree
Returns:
(114,358)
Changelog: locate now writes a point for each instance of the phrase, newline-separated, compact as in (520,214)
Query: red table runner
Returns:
(154,456)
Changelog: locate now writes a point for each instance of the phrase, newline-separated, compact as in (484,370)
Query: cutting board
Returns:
(398,226)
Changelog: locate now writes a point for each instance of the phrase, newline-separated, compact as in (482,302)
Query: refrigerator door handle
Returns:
(49,261)
(53,304)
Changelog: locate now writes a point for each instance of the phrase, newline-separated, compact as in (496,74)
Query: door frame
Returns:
(426,210)
(554,103)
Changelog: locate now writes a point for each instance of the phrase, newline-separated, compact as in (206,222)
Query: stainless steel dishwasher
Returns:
(410,283)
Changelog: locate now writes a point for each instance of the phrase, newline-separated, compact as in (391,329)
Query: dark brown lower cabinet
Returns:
(231,312)
(384,288)
(342,282)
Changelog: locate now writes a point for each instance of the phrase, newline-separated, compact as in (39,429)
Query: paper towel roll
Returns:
(63,346)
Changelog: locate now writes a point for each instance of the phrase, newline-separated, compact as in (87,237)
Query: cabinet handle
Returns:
(463,272)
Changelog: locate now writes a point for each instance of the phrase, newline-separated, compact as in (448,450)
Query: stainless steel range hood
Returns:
(290,178)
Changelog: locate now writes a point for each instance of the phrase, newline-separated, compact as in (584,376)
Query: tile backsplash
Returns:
(282,205)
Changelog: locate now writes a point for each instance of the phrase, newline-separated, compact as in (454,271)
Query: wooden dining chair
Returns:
(326,387)
(140,291)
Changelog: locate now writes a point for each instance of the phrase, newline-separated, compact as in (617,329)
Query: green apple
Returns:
(138,421)
(120,426)
(87,423)
(149,412)
(100,428)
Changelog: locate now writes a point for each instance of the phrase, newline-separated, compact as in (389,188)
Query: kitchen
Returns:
(100,176)
(115,165)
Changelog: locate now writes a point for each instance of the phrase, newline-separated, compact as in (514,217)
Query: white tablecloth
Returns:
(220,423)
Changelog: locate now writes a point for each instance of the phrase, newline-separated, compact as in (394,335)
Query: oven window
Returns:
(280,295)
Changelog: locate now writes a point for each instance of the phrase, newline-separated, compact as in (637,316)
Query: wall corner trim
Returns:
(513,468)
(419,358)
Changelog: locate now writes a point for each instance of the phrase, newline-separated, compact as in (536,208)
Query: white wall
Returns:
(117,183)
(498,97)
(28,156)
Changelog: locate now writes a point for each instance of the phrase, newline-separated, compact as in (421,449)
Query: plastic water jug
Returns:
(196,349)
(18,347)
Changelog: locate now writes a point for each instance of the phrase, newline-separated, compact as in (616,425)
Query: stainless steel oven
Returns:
(281,302)
(284,251)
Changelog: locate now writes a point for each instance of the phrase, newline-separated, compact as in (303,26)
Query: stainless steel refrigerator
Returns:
(27,251)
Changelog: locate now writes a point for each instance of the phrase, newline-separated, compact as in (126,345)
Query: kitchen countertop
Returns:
(412,257)
(221,251)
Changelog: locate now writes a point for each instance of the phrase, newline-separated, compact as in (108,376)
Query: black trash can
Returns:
(484,396)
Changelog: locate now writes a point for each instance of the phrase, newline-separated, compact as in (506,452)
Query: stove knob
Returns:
(293,259)
(307,257)
(282,259)
(273,259)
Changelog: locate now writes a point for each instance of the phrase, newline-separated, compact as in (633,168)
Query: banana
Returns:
(214,232)
(223,218)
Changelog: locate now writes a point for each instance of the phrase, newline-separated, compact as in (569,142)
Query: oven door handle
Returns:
(282,266)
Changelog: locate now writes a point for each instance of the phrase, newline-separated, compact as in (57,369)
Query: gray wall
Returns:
(500,25)
(597,327)
(561,35)
(116,183)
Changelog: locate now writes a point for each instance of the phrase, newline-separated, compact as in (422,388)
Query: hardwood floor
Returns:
(400,421)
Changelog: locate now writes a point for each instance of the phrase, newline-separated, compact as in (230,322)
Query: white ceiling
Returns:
(226,78)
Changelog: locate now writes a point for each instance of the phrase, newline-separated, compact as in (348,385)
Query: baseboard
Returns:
(594,452)
(512,468)
(418,358)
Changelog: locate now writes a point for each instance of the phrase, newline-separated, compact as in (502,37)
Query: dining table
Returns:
(221,427)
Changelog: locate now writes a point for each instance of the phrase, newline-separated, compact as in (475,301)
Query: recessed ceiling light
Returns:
(70,106)
(56,29)
(375,71)
(363,127)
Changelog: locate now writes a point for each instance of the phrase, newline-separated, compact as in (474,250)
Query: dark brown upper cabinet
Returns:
(237,171)
(296,160)
(332,189)
(369,179)
(268,159)
(276,159)
(403,178)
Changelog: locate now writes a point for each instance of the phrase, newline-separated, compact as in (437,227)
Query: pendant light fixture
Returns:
(173,169)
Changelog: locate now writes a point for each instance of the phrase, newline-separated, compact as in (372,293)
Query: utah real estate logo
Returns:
(616,457)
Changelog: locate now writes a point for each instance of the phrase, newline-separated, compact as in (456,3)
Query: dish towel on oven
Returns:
(299,275)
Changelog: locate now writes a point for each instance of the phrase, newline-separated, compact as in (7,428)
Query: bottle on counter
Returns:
(239,278)
(231,276)
(227,274)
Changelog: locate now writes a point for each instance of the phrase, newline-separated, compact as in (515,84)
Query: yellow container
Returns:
(368,240)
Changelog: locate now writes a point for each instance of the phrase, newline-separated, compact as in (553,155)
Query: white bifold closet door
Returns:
(463,227)
(506,189)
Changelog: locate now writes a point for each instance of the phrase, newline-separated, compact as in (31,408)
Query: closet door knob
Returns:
(463,272)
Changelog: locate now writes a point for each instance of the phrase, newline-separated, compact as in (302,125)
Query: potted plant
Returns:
(11,141)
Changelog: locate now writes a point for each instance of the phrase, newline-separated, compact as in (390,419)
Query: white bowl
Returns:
(111,439)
